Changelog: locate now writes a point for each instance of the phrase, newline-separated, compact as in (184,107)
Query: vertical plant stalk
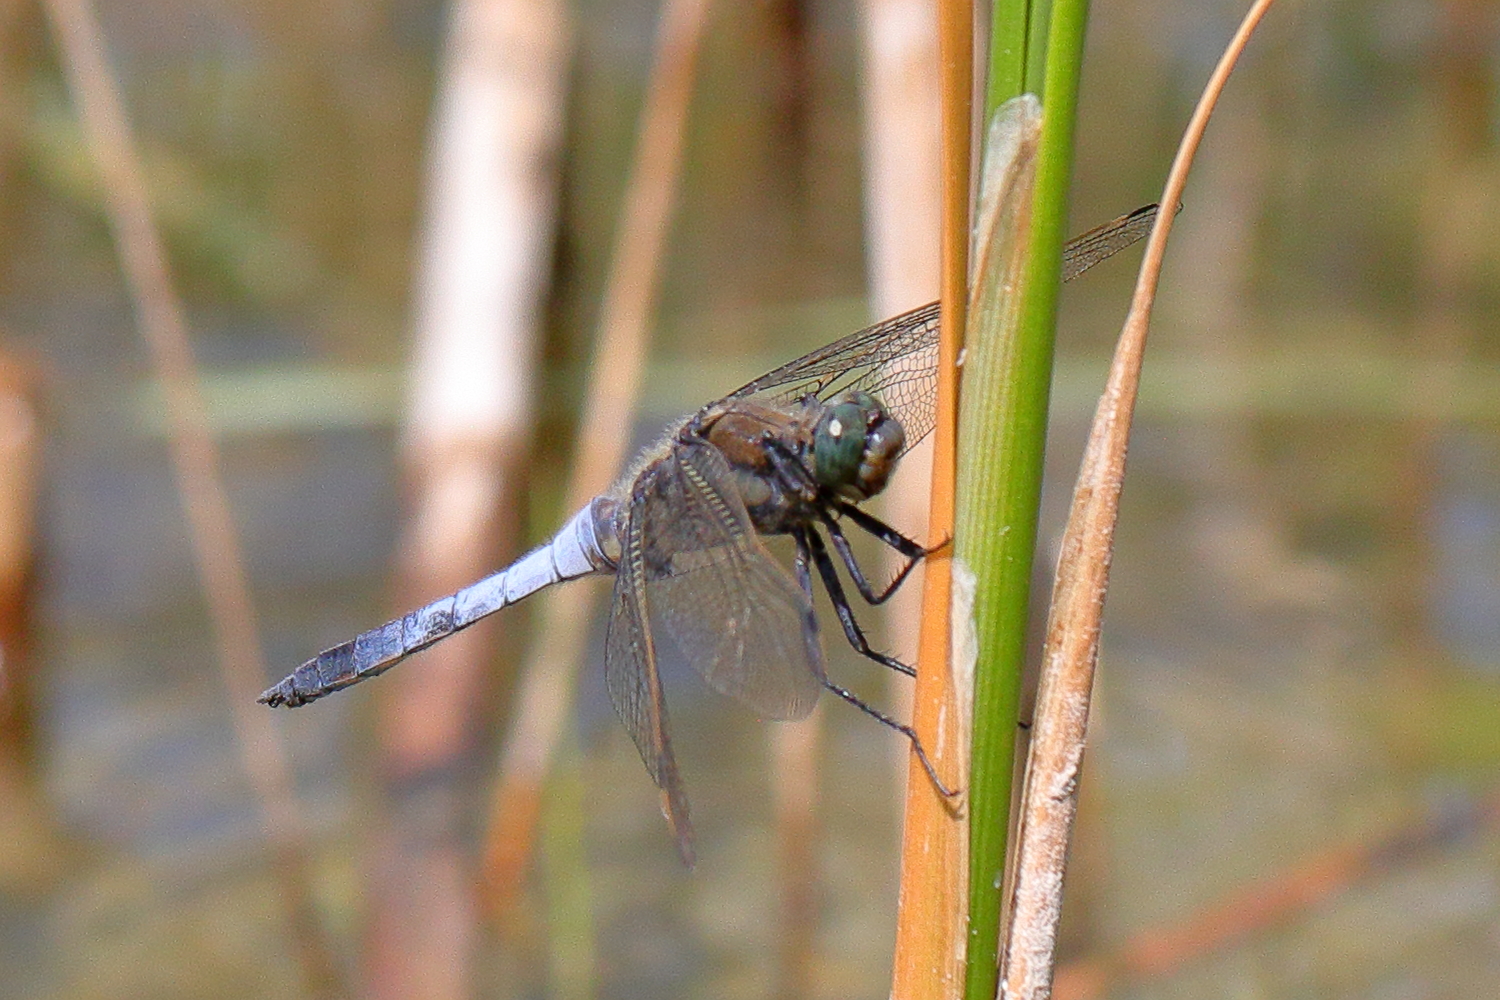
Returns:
(1003,455)
(903,183)
(1038,35)
(1010,25)
(549,676)
(1050,792)
(993,440)
(932,918)
(795,748)
(485,255)
(195,462)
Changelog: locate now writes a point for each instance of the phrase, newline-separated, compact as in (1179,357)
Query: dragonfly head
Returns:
(855,446)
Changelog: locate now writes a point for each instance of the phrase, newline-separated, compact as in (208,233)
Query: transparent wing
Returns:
(634,685)
(1103,242)
(896,360)
(736,615)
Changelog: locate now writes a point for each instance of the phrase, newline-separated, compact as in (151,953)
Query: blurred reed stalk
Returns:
(22,432)
(903,175)
(20,480)
(932,914)
(795,750)
(902,148)
(485,256)
(1050,789)
(548,679)
(34,856)
(215,542)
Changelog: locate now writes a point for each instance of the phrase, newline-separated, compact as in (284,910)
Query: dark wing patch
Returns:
(1102,242)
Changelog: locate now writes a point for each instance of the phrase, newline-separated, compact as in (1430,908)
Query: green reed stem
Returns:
(1001,448)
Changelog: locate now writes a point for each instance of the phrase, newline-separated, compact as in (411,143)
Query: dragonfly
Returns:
(792,453)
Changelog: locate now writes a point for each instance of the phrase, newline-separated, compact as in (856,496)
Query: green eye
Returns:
(839,445)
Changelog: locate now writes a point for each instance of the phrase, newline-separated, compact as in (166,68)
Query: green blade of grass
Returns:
(1010,31)
(1018,48)
(1038,26)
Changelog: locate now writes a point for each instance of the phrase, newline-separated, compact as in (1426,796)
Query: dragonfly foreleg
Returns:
(789,467)
(908,547)
(904,730)
(809,542)
(913,552)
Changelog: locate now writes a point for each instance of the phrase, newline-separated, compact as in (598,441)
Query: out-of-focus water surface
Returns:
(1302,643)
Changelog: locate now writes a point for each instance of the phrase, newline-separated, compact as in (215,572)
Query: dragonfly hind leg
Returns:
(810,547)
(902,728)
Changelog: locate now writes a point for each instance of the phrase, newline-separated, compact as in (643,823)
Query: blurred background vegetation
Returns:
(1302,645)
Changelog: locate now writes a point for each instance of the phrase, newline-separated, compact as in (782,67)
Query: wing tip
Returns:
(674,809)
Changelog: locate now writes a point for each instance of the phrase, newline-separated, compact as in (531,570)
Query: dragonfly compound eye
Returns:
(855,446)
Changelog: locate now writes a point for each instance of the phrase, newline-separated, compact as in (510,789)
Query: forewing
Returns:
(1103,242)
(634,685)
(895,361)
(736,615)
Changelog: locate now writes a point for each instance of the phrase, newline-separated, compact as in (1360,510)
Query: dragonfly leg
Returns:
(795,474)
(904,730)
(810,542)
(800,562)
(908,547)
(846,553)
(804,580)
(791,468)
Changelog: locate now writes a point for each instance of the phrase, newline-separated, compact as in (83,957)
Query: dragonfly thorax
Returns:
(855,446)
